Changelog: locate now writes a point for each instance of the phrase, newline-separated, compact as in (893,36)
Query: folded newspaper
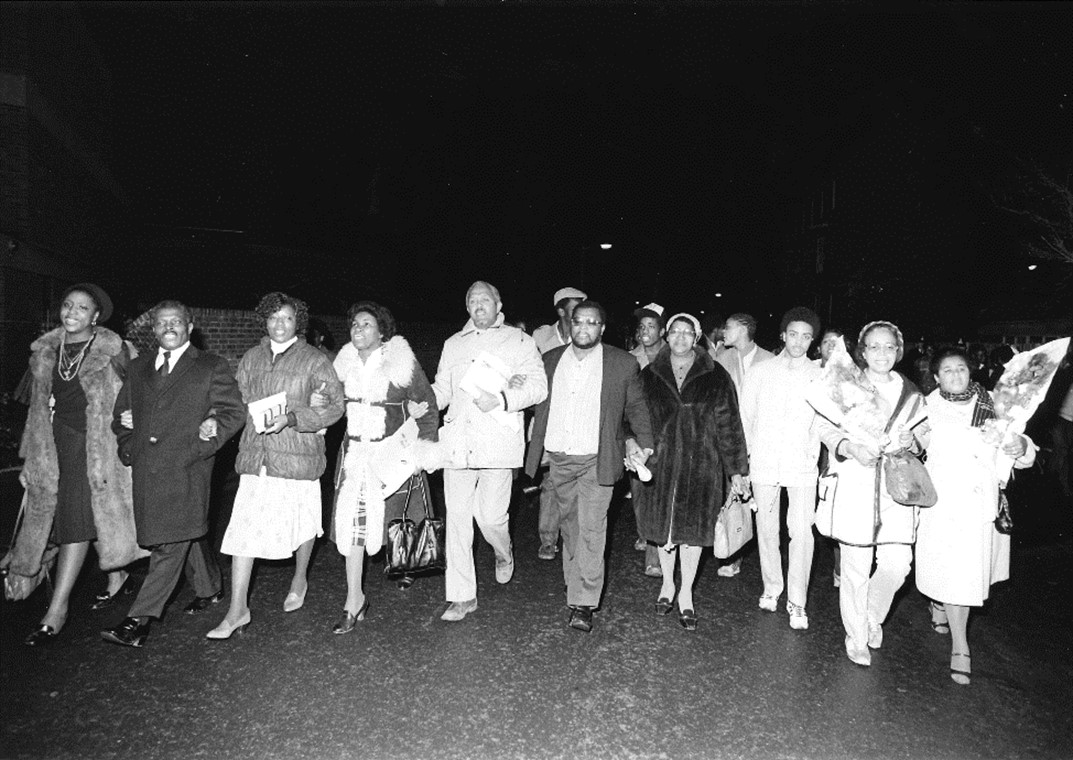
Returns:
(490,374)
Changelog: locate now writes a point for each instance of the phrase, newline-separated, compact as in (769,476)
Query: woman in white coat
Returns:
(861,516)
(959,553)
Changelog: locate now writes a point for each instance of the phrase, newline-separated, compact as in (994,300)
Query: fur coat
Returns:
(376,397)
(109,479)
(699,444)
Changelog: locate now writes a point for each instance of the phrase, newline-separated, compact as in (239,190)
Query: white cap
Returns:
(562,293)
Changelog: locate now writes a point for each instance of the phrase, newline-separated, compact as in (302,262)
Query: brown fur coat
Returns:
(109,480)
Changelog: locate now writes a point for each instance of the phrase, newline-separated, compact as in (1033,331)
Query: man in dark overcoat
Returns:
(593,418)
(157,421)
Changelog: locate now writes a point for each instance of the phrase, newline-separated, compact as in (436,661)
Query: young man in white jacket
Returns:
(783,450)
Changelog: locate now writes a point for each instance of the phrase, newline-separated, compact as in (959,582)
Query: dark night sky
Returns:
(409,148)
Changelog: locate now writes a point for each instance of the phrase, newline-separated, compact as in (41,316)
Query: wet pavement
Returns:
(513,681)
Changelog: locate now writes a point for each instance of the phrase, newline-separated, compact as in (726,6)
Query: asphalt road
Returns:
(513,681)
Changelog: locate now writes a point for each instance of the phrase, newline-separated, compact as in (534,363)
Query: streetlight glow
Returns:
(605,246)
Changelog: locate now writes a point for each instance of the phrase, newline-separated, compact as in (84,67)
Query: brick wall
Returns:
(232,332)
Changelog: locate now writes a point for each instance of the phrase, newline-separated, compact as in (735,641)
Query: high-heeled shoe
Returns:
(688,620)
(43,635)
(940,626)
(225,630)
(963,675)
(346,623)
(103,600)
(664,605)
(295,601)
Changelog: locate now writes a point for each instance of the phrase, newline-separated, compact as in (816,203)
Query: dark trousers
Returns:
(582,504)
(166,563)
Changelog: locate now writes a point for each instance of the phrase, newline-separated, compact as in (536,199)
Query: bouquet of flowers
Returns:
(843,395)
(1018,394)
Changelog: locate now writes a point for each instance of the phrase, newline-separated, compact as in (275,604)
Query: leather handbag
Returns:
(733,528)
(907,480)
(1004,521)
(415,549)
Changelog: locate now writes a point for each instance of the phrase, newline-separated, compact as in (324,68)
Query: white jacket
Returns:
(784,444)
(478,437)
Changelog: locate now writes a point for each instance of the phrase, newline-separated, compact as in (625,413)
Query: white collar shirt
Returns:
(574,411)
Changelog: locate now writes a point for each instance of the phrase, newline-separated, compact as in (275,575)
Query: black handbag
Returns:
(1004,521)
(415,549)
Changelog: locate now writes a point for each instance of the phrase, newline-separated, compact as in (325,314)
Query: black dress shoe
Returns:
(104,600)
(581,618)
(202,603)
(43,635)
(688,620)
(405,582)
(129,633)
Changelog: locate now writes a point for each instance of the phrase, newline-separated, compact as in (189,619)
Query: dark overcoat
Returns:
(699,444)
(623,414)
(171,466)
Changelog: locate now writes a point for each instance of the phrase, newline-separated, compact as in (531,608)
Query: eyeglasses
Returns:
(586,322)
(881,348)
(681,334)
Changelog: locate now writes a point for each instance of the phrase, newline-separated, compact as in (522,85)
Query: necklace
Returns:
(69,364)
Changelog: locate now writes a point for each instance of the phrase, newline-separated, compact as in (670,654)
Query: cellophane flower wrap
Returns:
(1018,394)
(843,395)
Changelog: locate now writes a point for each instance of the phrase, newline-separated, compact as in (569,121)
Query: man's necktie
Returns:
(165,368)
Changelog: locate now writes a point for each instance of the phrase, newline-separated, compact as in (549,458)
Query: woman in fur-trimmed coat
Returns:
(389,404)
(77,489)
(700,443)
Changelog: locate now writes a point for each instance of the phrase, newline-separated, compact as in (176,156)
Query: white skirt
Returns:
(272,516)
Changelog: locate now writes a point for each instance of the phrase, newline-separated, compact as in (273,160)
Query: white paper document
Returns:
(264,410)
(490,373)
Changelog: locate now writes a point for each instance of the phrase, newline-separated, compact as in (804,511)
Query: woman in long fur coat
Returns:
(699,444)
(77,489)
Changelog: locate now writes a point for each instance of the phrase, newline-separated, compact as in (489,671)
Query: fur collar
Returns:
(396,368)
(46,351)
(661,366)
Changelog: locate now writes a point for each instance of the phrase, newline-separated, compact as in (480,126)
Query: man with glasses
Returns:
(486,431)
(593,391)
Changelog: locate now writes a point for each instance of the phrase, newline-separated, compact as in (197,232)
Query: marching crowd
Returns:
(119,452)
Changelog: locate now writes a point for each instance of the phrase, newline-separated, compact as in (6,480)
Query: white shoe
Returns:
(729,571)
(875,634)
(861,657)
(225,630)
(504,570)
(798,618)
(457,610)
(640,545)
(295,601)
(769,603)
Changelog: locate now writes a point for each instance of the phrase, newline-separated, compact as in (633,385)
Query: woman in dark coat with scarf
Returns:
(77,489)
(699,444)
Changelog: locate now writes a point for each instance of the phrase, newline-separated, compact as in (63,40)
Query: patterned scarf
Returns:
(985,407)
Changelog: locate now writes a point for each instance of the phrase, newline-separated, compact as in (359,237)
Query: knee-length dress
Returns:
(959,554)
(278,504)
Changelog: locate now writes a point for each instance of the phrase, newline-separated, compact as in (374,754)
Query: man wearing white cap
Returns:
(650,342)
(649,333)
(557,334)
(548,337)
